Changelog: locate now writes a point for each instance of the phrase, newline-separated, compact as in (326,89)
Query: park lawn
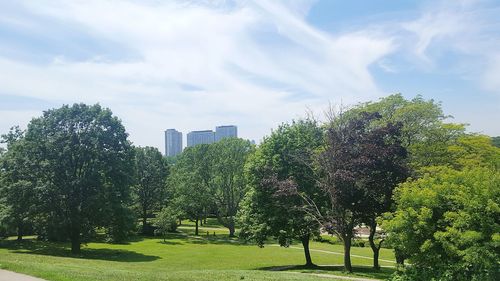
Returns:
(181,257)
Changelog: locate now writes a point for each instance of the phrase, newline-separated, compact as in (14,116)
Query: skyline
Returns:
(252,63)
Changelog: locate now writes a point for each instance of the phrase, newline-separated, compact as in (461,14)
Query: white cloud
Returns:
(246,63)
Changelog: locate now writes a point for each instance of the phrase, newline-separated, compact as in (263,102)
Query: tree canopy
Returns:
(82,160)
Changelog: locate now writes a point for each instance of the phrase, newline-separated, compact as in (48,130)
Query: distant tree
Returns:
(84,163)
(495,141)
(149,189)
(228,157)
(283,162)
(166,221)
(190,183)
(446,223)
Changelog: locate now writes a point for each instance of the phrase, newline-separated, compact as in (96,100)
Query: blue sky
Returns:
(194,65)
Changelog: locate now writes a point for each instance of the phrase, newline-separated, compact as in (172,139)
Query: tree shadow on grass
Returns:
(61,250)
(358,271)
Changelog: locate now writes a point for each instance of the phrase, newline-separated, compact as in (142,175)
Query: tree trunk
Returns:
(307,253)
(20,232)
(180,221)
(75,241)
(347,253)
(144,223)
(230,226)
(196,229)
(375,248)
(400,260)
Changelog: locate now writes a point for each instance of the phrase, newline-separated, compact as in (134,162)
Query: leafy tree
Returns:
(356,160)
(84,163)
(447,224)
(282,163)
(424,132)
(166,221)
(150,185)
(495,141)
(190,183)
(17,188)
(228,157)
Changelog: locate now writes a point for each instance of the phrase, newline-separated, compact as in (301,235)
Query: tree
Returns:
(190,183)
(283,162)
(228,157)
(150,184)
(166,221)
(424,132)
(84,162)
(447,224)
(495,141)
(353,165)
(18,184)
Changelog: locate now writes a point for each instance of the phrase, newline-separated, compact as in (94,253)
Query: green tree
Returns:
(228,157)
(282,163)
(166,221)
(17,188)
(495,141)
(190,183)
(84,163)
(424,132)
(149,189)
(447,224)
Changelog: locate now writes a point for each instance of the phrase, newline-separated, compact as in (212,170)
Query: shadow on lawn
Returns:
(60,250)
(359,271)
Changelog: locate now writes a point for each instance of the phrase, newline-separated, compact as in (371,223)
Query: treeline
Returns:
(423,186)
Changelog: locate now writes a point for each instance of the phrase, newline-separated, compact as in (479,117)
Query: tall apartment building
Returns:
(229,131)
(173,142)
(200,137)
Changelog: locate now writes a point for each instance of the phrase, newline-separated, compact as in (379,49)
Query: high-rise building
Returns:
(200,137)
(173,142)
(229,131)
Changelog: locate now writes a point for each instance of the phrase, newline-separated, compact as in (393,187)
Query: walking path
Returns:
(337,253)
(12,276)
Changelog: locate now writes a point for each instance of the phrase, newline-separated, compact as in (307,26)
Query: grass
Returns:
(183,257)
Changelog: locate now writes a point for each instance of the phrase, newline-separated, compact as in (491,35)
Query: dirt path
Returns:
(12,276)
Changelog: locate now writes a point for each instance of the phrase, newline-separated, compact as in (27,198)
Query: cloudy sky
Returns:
(193,65)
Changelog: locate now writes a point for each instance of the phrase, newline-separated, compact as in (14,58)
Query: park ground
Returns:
(183,256)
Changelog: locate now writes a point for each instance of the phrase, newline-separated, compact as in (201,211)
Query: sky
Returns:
(193,65)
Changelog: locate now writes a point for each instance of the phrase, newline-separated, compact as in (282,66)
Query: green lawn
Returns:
(182,257)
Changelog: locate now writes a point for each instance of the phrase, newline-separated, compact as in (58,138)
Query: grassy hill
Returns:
(183,256)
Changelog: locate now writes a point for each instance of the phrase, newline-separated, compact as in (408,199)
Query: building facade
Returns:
(229,131)
(173,142)
(200,137)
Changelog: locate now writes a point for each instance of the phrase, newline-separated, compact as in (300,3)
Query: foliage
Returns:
(83,163)
(17,185)
(283,160)
(190,183)
(227,160)
(495,141)
(359,166)
(446,223)
(149,190)
(424,132)
(166,221)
